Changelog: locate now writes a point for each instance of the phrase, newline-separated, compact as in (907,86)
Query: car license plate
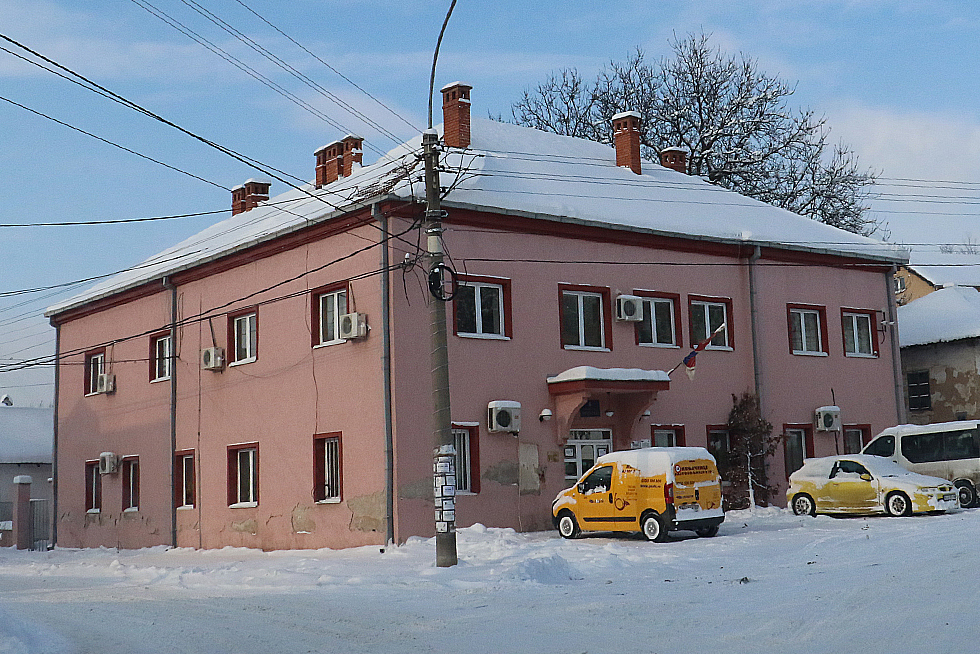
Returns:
(949,497)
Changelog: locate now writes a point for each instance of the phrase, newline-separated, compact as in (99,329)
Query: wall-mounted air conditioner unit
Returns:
(629,308)
(827,418)
(108,463)
(105,383)
(213,358)
(504,416)
(353,325)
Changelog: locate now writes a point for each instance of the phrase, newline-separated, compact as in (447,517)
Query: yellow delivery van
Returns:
(652,490)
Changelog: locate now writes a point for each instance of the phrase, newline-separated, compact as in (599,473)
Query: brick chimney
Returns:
(329,163)
(352,152)
(456,114)
(248,195)
(674,158)
(626,132)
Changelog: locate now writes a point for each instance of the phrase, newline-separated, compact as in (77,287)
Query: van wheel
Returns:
(897,504)
(966,493)
(803,505)
(568,525)
(653,528)
(707,532)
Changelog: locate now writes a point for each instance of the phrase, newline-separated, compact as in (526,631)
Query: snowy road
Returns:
(770,582)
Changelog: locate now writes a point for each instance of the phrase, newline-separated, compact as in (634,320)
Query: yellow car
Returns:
(861,483)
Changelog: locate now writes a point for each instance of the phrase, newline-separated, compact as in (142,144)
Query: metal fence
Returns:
(40,524)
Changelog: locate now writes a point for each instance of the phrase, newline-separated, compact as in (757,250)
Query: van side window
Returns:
(884,446)
(922,448)
(962,445)
(600,481)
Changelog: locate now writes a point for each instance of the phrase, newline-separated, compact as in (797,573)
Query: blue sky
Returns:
(895,79)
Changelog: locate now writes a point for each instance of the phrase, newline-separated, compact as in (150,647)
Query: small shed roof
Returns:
(949,314)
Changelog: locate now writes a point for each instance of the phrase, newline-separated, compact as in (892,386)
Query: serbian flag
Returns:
(690,361)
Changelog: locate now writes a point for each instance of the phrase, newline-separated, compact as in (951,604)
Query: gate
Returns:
(40,525)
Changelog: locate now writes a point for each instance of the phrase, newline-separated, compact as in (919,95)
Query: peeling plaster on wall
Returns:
(301,520)
(368,512)
(505,473)
(249,526)
(417,490)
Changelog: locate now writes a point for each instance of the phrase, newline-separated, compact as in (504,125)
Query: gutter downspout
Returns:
(386,375)
(900,410)
(54,452)
(173,407)
(754,314)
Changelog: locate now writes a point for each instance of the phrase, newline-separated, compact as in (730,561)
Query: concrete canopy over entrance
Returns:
(626,392)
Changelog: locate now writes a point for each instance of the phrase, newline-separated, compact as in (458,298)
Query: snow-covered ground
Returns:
(769,582)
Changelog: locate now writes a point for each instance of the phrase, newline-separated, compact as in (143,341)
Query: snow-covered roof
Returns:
(949,314)
(582,373)
(519,171)
(26,434)
(946,268)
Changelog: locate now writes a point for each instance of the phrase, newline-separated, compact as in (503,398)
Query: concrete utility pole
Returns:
(444,454)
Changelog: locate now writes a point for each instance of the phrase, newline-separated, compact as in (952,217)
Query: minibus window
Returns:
(962,445)
(884,446)
(923,448)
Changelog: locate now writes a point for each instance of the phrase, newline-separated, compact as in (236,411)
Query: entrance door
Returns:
(582,449)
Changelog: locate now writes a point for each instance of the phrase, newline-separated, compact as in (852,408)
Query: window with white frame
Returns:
(327,480)
(243,475)
(806,326)
(331,306)
(94,366)
(479,309)
(131,483)
(719,442)
(245,337)
(93,487)
(706,317)
(467,459)
(797,447)
(160,358)
(583,320)
(859,334)
(185,479)
(658,324)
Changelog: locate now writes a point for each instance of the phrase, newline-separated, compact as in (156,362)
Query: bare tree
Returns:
(734,120)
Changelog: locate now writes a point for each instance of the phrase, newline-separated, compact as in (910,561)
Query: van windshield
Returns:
(884,446)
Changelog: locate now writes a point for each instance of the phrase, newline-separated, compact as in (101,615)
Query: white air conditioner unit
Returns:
(827,418)
(353,325)
(108,463)
(629,308)
(504,416)
(105,383)
(212,358)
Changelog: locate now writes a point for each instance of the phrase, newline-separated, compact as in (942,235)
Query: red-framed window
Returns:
(243,474)
(860,330)
(93,486)
(185,479)
(661,324)
(797,445)
(482,307)
(327,305)
(95,361)
(243,336)
(328,469)
(161,356)
(707,313)
(466,439)
(130,483)
(585,317)
(668,435)
(807,327)
(855,438)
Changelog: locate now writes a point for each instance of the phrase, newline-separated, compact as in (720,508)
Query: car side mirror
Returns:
(581,489)
(866,477)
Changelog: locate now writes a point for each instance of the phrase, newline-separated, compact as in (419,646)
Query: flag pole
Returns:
(700,347)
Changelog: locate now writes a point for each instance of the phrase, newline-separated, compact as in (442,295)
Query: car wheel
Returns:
(707,532)
(966,493)
(653,528)
(567,525)
(803,505)
(897,504)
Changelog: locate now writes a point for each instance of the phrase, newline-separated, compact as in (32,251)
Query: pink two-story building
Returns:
(266,382)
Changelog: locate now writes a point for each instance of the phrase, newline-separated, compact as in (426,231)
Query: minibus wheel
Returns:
(897,504)
(567,524)
(966,493)
(652,526)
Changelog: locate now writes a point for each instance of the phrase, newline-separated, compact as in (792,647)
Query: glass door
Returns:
(582,449)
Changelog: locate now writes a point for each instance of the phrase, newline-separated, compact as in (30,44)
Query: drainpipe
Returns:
(386,375)
(173,406)
(896,350)
(54,453)
(754,313)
